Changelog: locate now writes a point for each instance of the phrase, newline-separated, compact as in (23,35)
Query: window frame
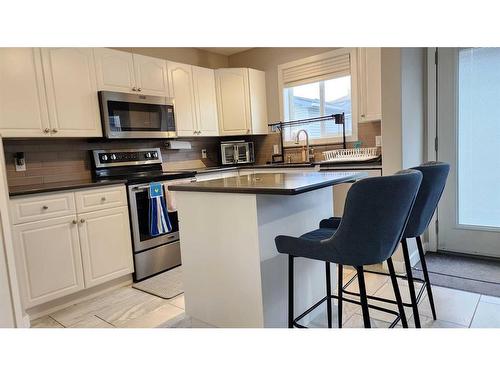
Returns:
(354,88)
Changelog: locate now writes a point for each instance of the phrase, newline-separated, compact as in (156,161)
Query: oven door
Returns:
(139,215)
(136,116)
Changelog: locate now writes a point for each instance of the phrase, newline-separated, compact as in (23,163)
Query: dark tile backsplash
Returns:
(54,160)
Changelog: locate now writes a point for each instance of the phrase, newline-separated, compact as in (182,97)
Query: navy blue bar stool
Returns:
(375,216)
(434,175)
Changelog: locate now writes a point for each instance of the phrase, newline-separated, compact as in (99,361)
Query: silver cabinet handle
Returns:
(134,89)
(248,131)
(82,221)
(45,207)
(103,199)
(139,89)
(54,131)
(74,222)
(46,130)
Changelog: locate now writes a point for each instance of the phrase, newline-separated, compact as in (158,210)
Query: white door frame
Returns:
(431,133)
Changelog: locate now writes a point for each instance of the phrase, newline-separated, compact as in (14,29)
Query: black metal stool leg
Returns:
(399,300)
(290,291)
(362,296)
(328,294)
(411,286)
(426,275)
(340,288)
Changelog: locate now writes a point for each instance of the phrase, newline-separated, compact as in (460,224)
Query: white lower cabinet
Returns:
(48,259)
(105,254)
(59,256)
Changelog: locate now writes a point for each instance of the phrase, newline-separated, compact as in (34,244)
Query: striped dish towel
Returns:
(159,223)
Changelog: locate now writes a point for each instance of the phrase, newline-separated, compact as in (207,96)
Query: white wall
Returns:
(403,113)
(403,108)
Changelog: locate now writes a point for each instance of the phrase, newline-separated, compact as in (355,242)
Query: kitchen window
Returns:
(319,86)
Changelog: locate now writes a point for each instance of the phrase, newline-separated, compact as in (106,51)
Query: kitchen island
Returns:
(233,274)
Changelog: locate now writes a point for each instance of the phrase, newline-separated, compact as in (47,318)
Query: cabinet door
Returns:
(23,104)
(206,101)
(105,244)
(258,102)
(369,82)
(233,101)
(48,258)
(181,89)
(115,70)
(70,78)
(151,75)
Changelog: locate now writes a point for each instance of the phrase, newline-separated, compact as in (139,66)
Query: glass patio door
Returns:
(468,128)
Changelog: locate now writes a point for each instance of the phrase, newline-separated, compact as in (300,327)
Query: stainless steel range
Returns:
(140,167)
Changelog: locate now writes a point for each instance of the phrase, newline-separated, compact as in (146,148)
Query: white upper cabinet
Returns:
(151,75)
(233,101)
(23,104)
(369,84)
(182,90)
(238,91)
(193,90)
(205,101)
(128,72)
(71,86)
(115,70)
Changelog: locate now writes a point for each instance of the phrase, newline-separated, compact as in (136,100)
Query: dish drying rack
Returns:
(351,155)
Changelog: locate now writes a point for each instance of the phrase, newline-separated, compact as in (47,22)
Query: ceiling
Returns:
(227,51)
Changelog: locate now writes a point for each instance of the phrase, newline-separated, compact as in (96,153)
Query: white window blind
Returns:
(329,67)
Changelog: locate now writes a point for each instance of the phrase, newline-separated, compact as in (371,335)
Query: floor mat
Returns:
(461,272)
(165,285)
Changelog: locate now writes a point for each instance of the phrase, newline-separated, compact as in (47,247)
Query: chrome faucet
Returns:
(308,156)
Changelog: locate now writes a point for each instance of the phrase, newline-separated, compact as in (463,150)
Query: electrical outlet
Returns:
(276,149)
(20,162)
(378,141)
(203,153)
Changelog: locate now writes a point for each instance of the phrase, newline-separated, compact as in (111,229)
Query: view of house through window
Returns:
(319,99)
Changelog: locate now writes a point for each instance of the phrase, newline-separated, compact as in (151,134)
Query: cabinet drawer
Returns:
(97,199)
(27,209)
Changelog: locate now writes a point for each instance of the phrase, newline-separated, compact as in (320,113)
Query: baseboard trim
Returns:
(83,295)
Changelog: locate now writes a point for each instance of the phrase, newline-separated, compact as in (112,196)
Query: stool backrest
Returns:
(375,215)
(434,175)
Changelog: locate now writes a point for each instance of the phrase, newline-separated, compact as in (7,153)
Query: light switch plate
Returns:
(203,153)
(378,141)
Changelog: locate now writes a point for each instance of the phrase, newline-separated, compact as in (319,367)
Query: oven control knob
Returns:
(104,157)
(148,155)
(155,154)
(113,157)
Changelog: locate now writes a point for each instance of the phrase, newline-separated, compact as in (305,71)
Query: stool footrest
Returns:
(317,304)
(381,299)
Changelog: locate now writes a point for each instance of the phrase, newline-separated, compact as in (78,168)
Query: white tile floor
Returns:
(128,307)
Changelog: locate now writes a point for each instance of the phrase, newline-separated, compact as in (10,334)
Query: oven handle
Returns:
(140,188)
(145,187)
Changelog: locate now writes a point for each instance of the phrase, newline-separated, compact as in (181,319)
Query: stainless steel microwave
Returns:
(237,152)
(136,116)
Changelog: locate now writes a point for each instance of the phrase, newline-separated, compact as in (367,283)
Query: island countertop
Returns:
(271,183)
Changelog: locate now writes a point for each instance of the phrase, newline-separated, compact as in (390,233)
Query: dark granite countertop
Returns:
(59,186)
(271,183)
